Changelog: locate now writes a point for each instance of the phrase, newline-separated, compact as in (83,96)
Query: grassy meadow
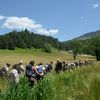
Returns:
(79,84)
(13,56)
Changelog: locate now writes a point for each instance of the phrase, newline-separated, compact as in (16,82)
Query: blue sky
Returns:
(63,19)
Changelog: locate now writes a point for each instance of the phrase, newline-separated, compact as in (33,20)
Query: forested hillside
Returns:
(26,39)
(83,45)
(86,44)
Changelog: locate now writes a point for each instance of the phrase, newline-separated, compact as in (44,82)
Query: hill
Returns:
(25,39)
(85,44)
(88,35)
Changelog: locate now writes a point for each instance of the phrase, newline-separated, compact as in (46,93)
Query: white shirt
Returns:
(22,67)
(16,75)
(6,68)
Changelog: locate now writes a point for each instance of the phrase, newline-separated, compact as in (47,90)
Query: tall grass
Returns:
(95,89)
(79,84)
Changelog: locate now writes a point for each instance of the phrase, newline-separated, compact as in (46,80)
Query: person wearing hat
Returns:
(20,67)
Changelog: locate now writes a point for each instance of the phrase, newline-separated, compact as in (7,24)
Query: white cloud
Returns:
(2,17)
(25,22)
(47,32)
(53,31)
(18,23)
(95,5)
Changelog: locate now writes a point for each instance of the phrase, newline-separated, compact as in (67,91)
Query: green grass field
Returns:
(79,84)
(13,56)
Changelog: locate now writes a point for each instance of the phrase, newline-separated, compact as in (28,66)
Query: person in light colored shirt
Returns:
(4,70)
(6,67)
(14,76)
(40,72)
(20,67)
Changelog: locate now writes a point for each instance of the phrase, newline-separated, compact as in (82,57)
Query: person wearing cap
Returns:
(20,67)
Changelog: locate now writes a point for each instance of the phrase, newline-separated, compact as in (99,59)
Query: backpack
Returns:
(40,69)
(29,71)
(19,69)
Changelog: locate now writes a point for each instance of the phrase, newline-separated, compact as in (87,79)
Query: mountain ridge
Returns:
(88,35)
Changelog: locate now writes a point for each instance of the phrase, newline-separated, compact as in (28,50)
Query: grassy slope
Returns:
(36,54)
(28,54)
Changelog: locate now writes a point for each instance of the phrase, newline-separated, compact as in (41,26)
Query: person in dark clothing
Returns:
(49,68)
(76,63)
(64,66)
(58,67)
(31,73)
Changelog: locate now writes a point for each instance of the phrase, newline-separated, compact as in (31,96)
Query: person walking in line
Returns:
(4,70)
(31,73)
(14,77)
(20,68)
(40,72)
(58,66)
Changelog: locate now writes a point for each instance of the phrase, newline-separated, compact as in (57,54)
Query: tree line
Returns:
(26,39)
(89,46)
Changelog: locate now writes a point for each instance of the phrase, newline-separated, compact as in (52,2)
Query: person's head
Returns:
(40,63)
(32,62)
(63,62)
(7,64)
(21,62)
(15,66)
(51,62)
(58,60)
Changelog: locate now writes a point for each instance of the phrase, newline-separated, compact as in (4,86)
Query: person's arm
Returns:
(22,67)
(38,72)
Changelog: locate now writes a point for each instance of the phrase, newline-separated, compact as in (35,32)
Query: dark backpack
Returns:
(29,71)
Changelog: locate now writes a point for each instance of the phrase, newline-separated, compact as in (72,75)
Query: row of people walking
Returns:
(63,66)
(35,73)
